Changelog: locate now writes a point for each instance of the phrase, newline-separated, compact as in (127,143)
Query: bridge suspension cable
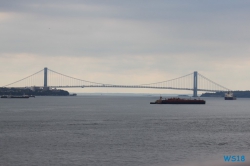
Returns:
(205,83)
(183,82)
(62,80)
(26,78)
(78,81)
(167,80)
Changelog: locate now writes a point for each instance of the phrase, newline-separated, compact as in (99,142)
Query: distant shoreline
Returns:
(238,94)
(35,92)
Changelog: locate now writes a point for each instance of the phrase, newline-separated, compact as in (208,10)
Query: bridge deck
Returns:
(123,86)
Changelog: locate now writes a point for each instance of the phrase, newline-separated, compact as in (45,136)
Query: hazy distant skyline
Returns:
(127,42)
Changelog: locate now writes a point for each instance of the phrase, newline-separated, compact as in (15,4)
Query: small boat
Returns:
(18,97)
(178,101)
(229,96)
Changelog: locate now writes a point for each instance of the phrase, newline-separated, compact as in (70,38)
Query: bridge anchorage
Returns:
(47,79)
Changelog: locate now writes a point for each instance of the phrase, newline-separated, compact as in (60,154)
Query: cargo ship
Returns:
(17,97)
(229,96)
(178,101)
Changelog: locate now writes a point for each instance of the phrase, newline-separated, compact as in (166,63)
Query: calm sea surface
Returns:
(120,131)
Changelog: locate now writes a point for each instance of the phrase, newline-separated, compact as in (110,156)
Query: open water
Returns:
(124,131)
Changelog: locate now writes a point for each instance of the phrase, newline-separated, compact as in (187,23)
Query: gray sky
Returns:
(127,42)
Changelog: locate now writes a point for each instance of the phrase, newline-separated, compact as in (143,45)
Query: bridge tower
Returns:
(195,84)
(45,77)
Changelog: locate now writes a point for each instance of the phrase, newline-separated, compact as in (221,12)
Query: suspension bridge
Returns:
(47,78)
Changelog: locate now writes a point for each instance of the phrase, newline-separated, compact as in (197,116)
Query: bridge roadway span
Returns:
(124,86)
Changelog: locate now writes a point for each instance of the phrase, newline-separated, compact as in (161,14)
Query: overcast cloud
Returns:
(127,42)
